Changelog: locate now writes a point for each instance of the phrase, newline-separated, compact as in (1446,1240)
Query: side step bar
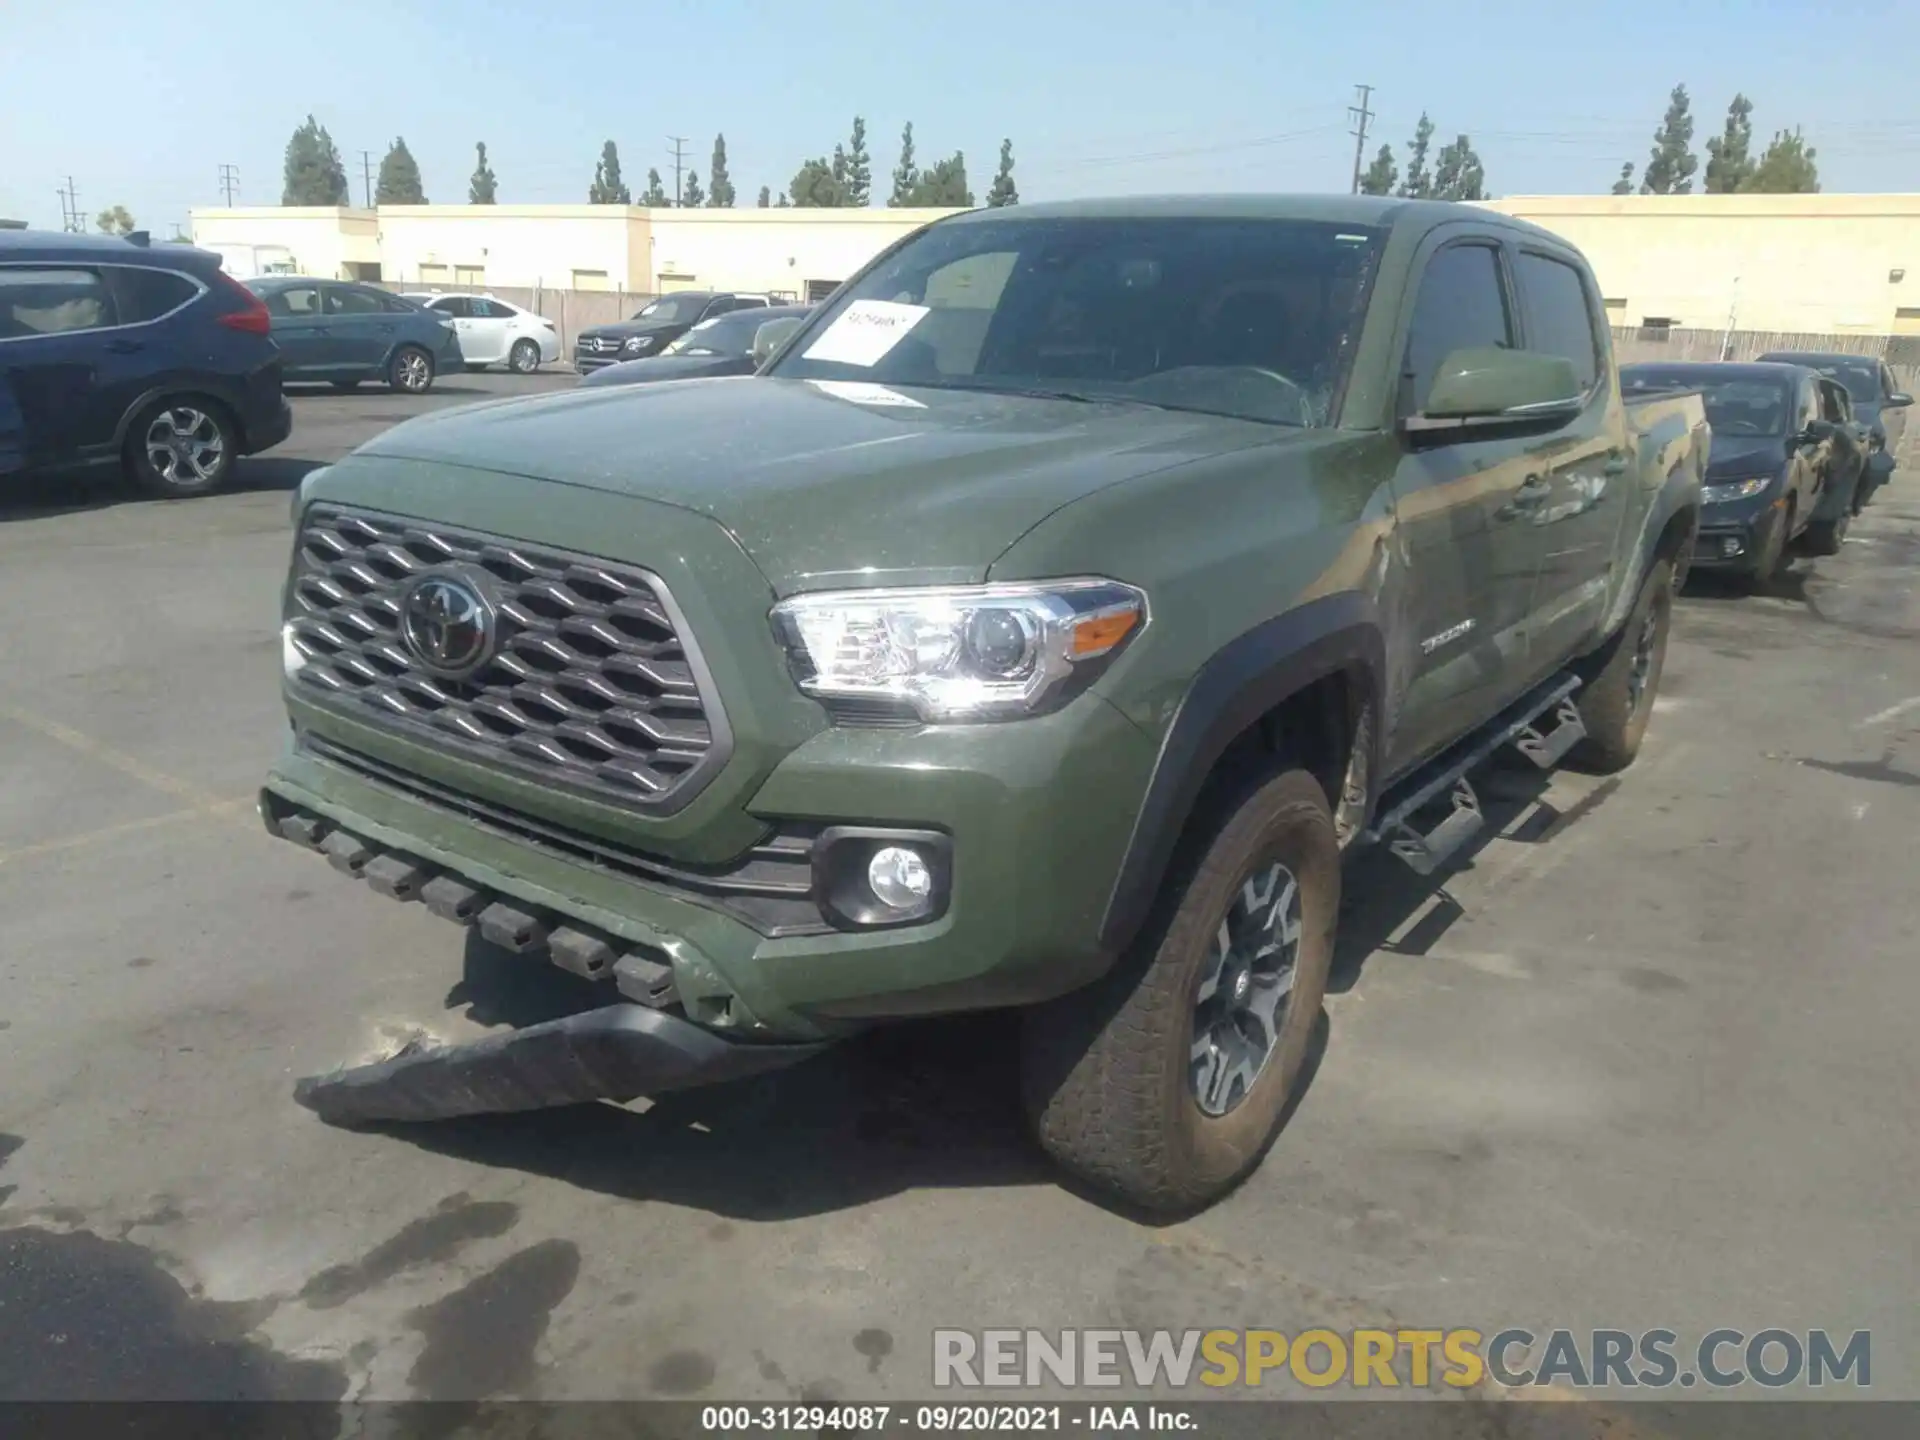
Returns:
(614,1053)
(1522,725)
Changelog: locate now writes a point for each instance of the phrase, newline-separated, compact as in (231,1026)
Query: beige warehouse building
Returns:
(1793,264)
(611,248)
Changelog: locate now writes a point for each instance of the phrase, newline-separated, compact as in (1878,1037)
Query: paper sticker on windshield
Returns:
(862,393)
(865,331)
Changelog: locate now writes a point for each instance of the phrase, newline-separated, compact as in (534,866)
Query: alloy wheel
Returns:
(416,372)
(185,446)
(1240,1004)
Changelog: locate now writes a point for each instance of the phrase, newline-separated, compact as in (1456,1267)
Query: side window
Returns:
(295,302)
(1462,305)
(458,306)
(345,300)
(50,301)
(140,294)
(492,310)
(719,305)
(749,302)
(394,305)
(1559,315)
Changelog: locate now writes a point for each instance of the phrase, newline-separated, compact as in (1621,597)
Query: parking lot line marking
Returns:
(114,759)
(125,827)
(1893,712)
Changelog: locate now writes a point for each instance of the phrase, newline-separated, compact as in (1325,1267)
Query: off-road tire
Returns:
(185,481)
(524,357)
(1105,1071)
(1613,706)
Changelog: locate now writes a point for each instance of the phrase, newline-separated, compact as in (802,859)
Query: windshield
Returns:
(1862,380)
(1734,407)
(1249,318)
(673,309)
(723,335)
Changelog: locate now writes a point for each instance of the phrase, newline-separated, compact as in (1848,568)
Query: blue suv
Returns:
(117,352)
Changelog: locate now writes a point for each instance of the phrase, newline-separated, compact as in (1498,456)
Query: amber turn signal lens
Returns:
(1100,633)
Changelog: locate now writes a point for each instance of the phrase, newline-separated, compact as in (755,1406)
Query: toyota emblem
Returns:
(448,624)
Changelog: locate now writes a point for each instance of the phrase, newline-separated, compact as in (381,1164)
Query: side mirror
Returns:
(771,336)
(1479,387)
(1899,400)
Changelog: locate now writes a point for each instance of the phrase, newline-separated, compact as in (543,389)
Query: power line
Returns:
(679,158)
(229,182)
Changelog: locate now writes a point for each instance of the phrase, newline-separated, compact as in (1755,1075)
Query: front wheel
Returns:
(1617,702)
(524,359)
(411,371)
(180,447)
(1166,1080)
(1825,537)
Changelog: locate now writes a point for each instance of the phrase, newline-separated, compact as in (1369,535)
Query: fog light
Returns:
(1731,546)
(899,877)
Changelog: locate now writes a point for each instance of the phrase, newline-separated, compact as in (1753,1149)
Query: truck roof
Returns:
(1385,211)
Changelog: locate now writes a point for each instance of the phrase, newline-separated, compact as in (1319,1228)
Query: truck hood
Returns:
(826,484)
(1736,457)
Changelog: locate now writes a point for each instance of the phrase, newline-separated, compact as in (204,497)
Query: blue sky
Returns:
(1120,97)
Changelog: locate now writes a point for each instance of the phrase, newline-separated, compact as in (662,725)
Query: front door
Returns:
(1467,574)
(1579,473)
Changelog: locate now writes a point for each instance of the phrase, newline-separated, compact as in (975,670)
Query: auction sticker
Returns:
(862,393)
(865,331)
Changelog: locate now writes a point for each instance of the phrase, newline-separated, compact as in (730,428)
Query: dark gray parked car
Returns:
(1879,404)
(344,333)
(720,346)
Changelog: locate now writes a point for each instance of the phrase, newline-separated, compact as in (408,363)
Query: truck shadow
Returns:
(1381,893)
(930,1104)
(63,492)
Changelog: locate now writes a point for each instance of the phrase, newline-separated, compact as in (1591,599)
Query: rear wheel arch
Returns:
(1300,686)
(192,391)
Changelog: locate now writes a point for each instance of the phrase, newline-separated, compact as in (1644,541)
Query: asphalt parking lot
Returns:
(1647,1061)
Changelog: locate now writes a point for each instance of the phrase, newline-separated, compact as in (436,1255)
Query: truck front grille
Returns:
(592,682)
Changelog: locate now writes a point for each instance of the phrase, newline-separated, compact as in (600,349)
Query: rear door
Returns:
(56,322)
(492,332)
(1467,585)
(1574,493)
(301,331)
(362,328)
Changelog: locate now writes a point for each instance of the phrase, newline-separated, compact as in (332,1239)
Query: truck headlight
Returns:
(1734,490)
(984,652)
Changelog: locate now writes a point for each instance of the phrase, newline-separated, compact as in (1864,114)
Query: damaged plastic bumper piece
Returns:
(614,1053)
(638,975)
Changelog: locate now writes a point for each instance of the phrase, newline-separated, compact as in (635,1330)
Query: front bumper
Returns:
(1735,541)
(1036,815)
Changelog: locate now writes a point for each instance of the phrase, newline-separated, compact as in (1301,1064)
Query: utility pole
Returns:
(366,176)
(679,158)
(229,182)
(1361,115)
(70,208)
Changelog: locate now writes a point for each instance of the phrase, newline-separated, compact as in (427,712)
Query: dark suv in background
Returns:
(1879,405)
(655,325)
(149,357)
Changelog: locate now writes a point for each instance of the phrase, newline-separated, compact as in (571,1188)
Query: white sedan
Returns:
(492,332)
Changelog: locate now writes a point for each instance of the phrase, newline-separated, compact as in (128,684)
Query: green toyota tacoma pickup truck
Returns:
(1037,629)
